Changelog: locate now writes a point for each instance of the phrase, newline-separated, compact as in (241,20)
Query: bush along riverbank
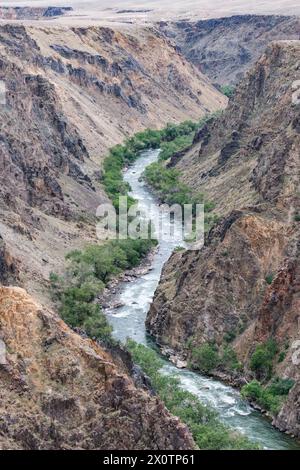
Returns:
(89,271)
(165,182)
(166,185)
(208,432)
(76,293)
(264,389)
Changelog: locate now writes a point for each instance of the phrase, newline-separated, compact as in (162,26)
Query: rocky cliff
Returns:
(61,391)
(244,284)
(226,48)
(71,93)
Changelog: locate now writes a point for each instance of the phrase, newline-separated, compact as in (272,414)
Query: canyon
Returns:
(224,49)
(81,80)
(70,94)
(60,390)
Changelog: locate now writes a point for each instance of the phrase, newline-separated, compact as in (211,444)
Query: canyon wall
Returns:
(224,49)
(245,282)
(67,95)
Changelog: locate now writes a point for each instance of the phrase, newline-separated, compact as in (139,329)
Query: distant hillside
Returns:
(225,48)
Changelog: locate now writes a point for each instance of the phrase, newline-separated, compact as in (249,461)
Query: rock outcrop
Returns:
(61,391)
(245,282)
(226,48)
(8,266)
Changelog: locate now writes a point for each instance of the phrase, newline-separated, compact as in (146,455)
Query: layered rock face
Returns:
(245,282)
(71,93)
(226,48)
(61,391)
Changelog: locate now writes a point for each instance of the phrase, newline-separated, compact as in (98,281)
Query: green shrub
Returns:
(87,274)
(227,90)
(205,358)
(97,327)
(110,259)
(281,386)
(252,391)
(208,432)
(168,149)
(270,398)
(262,359)
(297,218)
(281,356)
(269,279)
(229,336)
(229,359)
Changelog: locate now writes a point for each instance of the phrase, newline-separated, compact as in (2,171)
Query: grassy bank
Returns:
(208,432)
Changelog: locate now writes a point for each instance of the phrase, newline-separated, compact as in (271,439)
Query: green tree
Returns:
(205,358)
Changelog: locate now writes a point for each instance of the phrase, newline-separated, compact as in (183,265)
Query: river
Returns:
(128,321)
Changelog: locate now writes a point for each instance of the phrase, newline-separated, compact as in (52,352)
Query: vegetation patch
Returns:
(205,358)
(172,138)
(269,393)
(269,279)
(227,90)
(262,360)
(208,432)
(208,357)
(88,272)
(170,190)
(271,397)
